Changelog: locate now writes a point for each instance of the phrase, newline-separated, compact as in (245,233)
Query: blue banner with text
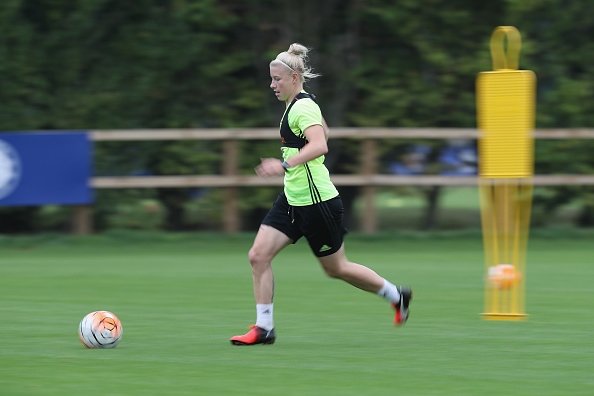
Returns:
(44,168)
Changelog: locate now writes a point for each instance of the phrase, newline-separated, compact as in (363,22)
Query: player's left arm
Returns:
(326,128)
(316,146)
(316,131)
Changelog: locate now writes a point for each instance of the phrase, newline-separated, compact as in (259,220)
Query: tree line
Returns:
(103,64)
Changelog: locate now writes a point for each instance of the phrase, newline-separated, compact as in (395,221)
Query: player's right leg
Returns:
(268,243)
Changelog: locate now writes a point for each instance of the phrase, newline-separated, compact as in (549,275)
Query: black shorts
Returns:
(321,223)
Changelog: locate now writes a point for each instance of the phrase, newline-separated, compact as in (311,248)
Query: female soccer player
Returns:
(309,205)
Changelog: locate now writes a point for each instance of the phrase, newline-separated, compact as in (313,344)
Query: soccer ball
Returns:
(503,276)
(100,329)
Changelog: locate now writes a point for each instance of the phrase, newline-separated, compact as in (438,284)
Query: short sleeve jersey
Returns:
(308,183)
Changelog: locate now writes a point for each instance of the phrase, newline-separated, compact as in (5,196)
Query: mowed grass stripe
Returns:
(180,301)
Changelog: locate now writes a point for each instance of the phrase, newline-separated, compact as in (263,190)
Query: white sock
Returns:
(389,292)
(264,316)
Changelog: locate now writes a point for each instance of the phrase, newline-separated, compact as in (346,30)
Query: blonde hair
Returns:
(295,59)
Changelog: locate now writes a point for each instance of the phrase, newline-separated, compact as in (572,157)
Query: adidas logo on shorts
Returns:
(325,248)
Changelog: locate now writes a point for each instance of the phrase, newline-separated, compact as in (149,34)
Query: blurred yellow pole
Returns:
(505,112)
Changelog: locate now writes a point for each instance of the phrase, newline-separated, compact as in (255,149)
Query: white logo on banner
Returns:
(10,169)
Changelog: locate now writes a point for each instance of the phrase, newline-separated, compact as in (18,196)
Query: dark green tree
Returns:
(108,64)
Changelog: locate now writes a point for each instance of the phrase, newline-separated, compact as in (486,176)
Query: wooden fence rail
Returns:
(368,178)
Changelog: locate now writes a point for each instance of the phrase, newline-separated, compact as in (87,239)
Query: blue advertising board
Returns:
(43,168)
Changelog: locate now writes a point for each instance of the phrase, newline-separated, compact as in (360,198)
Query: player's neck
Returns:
(298,89)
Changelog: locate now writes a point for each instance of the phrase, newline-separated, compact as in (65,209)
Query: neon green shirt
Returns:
(308,183)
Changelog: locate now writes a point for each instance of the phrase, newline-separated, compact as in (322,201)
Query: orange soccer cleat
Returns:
(401,306)
(256,335)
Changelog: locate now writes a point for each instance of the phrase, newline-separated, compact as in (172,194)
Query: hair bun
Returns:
(298,49)
(295,59)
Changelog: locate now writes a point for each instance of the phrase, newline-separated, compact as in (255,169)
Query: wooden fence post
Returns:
(231,223)
(368,168)
(82,220)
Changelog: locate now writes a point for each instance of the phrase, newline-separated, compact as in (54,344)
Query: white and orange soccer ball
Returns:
(100,329)
(504,276)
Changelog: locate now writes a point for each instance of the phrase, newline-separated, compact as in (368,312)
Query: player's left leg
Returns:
(338,266)
(323,228)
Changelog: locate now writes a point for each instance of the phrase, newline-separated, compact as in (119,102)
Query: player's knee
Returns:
(254,256)
(258,258)
(334,271)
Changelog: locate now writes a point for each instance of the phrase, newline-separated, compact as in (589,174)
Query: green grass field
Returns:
(181,296)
